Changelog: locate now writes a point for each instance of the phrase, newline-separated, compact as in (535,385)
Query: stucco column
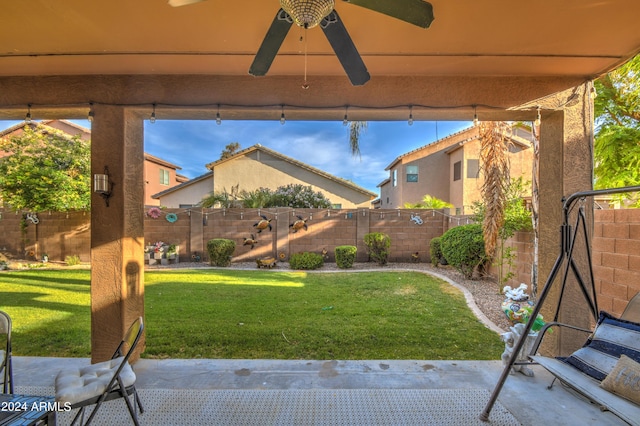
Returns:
(363,227)
(566,164)
(117,230)
(196,234)
(281,225)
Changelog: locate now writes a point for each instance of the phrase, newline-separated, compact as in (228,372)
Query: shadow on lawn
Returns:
(60,277)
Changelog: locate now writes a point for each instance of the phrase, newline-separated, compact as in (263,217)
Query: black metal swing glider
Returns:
(623,408)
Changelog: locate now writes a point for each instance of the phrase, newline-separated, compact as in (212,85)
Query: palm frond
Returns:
(495,165)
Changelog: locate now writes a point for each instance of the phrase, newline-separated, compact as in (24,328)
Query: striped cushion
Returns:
(612,337)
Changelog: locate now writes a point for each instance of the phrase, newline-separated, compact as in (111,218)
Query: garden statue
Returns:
(510,338)
(250,241)
(518,309)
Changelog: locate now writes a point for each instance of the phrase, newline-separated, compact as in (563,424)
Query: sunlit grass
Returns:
(207,313)
(217,277)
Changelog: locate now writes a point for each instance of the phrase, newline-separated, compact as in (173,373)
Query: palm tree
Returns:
(230,150)
(356,128)
(495,164)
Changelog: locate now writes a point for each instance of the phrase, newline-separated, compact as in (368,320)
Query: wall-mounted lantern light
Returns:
(103,185)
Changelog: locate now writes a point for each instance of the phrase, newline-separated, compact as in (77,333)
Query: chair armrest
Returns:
(546,327)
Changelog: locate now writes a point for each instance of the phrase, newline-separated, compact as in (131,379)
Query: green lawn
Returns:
(206,313)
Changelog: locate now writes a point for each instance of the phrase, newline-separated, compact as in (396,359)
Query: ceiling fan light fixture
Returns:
(307,13)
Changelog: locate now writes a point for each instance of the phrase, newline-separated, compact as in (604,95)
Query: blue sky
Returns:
(321,144)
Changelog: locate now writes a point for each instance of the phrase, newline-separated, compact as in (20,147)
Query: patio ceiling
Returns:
(496,54)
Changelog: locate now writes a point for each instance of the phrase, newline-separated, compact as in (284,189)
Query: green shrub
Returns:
(345,256)
(463,248)
(220,251)
(435,250)
(306,260)
(378,247)
(72,260)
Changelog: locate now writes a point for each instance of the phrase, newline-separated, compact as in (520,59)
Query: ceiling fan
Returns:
(310,13)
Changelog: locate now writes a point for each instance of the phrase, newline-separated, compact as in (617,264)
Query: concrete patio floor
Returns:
(527,399)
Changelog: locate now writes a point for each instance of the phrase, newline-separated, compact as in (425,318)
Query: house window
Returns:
(412,173)
(164,177)
(336,206)
(395,177)
(457,170)
(473,169)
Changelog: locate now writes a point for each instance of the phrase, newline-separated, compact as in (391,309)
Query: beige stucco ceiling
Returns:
(496,53)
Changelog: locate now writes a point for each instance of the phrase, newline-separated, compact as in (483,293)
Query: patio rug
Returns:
(299,407)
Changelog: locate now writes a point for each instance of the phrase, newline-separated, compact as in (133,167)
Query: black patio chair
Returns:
(6,368)
(104,381)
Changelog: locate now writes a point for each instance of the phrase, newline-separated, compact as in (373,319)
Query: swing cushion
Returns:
(612,338)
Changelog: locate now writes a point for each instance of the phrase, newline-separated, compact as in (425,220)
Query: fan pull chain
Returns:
(305,85)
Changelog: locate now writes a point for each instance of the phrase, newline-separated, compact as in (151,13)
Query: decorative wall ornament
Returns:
(299,224)
(416,219)
(154,212)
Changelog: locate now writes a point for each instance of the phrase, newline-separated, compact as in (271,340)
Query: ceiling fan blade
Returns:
(178,3)
(416,12)
(271,44)
(345,50)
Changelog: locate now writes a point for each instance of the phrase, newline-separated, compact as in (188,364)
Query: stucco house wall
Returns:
(456,188)
(187,194)
(433,172)
(153,183)
(436,171)
(257,167)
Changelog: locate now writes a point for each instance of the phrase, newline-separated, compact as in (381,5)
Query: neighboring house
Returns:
(159,174)
(449,169)
(258,166)
(187,194)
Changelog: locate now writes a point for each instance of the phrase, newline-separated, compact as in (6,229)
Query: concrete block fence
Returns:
(616,257)
(62,234)
(615,245)
(55,234)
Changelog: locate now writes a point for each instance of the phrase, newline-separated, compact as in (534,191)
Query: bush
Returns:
(435,250)
(378,247)
(72,260)
(298,196)
(463,248)
(306,260)
(220,251)
(345,256)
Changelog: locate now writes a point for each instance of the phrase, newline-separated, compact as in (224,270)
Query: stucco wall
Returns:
(152,183)
(260,169)
(456,188)
(189,195)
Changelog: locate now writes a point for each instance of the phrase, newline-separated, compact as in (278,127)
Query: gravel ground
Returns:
(485,292)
